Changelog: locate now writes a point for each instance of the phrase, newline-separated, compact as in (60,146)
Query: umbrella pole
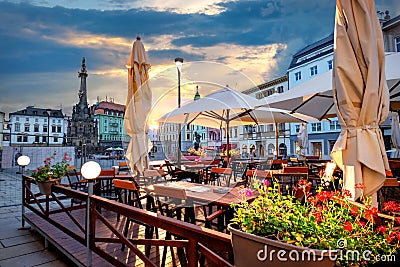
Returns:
(227,137)
(276,140)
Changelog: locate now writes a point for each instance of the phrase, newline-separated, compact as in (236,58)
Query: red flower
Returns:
(381,229)
(391,206)
(361,224)
(348,226)
(324,195)
(354,211)
(360,186)
(371,214)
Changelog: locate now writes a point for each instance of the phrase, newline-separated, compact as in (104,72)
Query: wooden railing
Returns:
(194,243)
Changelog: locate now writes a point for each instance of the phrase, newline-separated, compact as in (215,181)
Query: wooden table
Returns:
(218,195)
(206,196)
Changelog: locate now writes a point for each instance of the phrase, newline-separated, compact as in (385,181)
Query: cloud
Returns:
(43,42)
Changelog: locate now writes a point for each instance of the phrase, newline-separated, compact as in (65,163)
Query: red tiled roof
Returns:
(110,106)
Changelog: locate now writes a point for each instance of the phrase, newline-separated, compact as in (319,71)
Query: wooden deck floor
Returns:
(76,251)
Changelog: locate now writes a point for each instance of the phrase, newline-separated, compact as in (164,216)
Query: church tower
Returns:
(82,128)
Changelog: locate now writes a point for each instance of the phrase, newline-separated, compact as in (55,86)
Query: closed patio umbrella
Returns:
(361,96)
(138,105)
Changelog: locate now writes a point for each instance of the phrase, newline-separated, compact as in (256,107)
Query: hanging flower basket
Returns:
(45,187)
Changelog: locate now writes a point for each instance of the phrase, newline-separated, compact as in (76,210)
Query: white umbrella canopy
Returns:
(138,105)
(315,97)
(226,108)
(361,96)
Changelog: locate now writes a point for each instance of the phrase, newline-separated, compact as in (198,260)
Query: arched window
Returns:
(271,149)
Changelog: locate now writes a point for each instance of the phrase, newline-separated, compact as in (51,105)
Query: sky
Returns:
(240,43)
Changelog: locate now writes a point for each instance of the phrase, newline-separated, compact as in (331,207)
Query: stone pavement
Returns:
(21,247)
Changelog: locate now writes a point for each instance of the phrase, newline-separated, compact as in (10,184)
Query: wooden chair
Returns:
(217,173)
(105,188)
(128,193)
(123,166)
(287,181)
(175,173)
(277,164)
(170,202)
(295,169)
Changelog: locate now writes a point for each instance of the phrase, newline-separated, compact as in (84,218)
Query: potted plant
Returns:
(321,230)
(48,174)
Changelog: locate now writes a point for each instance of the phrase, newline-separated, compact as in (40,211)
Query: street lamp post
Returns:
(90,171)
(23,161)
(179,63)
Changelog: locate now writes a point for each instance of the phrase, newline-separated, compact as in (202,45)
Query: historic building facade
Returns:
(82,127)
(37,127)
(110,118)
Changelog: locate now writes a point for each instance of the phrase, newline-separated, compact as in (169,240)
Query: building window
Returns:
(313,70)
(280,89)
(316,127)
(59,121)
(54,121)
(17,118)
(37,140)
(59,129)
(17,127)
(105,128)
(27,128)
(45,128)
(334,125)
(397,41)
(188,136)
(25,138)
(55,139)
(27,119)
(53,129)
(330,64)
(44,139)
(297,76)
(36,128)
(36,120)
(297,128)
(19,138)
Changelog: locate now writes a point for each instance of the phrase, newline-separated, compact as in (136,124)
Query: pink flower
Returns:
(246,192)
(266,182)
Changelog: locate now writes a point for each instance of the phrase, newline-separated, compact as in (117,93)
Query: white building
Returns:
(2,127)
(37,126)
(261,140)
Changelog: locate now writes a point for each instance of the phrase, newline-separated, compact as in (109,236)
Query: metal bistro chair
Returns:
(217,174)
(128,193)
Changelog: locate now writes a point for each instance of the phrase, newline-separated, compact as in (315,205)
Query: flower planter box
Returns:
(252,250)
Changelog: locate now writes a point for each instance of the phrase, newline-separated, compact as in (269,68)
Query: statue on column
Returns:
(197,141)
